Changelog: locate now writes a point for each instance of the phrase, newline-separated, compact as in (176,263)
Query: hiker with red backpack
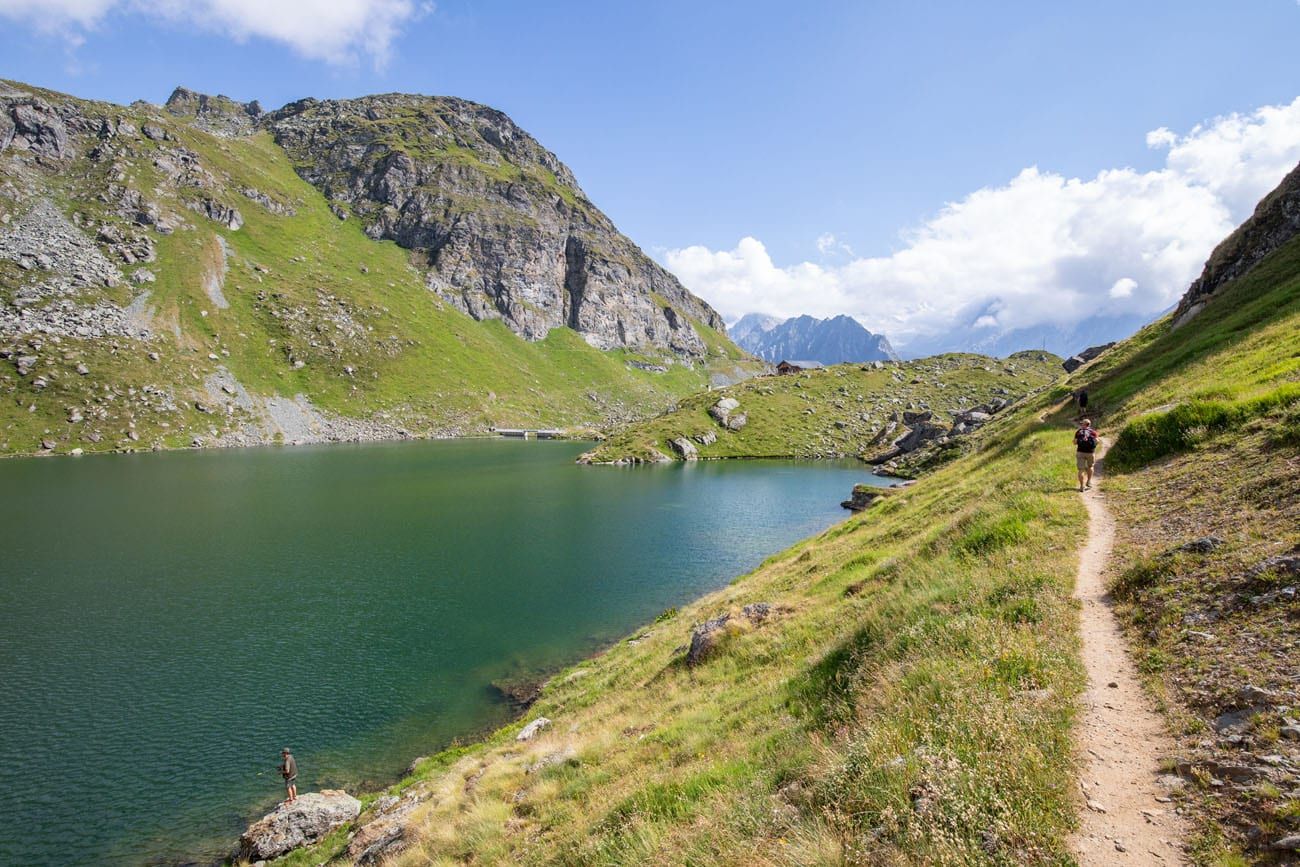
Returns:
(1085,447)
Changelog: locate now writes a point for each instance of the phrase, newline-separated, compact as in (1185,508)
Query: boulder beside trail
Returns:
(290,826)
(1074,362)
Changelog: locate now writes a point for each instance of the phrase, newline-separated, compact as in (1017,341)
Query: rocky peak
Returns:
(219,115)
(1276,220)
(496,221)
(830,341)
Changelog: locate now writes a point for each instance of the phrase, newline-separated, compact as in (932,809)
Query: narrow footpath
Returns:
(1127,817)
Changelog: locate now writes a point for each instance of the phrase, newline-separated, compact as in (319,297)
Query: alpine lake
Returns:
(169,621)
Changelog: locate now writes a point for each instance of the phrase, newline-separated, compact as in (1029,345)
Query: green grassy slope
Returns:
(835,411)
(1207,423)
(910,701)
(310,298)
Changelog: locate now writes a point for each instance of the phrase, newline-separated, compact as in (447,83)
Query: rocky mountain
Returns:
(500,225)
(1064,340)
(830,341)
(750,328)
(1276,221)
(207,273)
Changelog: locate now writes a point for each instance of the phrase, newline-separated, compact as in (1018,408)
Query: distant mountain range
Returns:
(1063,340)
(803,338)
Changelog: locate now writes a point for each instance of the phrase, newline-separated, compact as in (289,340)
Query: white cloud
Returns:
(828,244)
(1164,136)
(1123,287)
(1042,249)
(337,31)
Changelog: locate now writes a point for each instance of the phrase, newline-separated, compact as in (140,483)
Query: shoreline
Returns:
(480,737)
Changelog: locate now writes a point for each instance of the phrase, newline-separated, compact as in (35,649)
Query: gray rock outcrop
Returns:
(1275,221)
(497,221)
(685,448)
(705,638)
(218,115)
(533,729)
(862,497)
(290,826)
(725,412)
(386,834)
(1074,362)
(31,124)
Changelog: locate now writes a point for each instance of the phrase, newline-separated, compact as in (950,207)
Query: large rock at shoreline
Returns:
(301,823)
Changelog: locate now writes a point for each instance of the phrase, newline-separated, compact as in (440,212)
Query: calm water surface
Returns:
(169,621)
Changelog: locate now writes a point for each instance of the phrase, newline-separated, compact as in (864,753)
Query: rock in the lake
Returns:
(534,728)
(290,826)
(520,692)
(862,497)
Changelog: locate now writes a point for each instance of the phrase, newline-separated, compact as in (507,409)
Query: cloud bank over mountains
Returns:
(1042,251)
(337,31)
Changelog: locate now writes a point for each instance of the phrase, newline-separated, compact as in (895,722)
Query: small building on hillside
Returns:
(795,366)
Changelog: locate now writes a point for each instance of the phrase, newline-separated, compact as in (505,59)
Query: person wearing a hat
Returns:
(289,770)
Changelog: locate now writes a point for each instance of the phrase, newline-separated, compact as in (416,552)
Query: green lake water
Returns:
(169,621)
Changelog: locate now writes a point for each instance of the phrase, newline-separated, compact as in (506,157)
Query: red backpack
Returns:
(1086,439)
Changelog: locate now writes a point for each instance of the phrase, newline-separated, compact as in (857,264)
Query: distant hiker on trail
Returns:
(1081,396)
(1085,446)
(289,770)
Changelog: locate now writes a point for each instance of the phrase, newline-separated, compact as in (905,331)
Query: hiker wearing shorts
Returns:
(1085,447)
(289,770)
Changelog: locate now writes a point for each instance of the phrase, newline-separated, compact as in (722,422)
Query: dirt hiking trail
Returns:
(1127,816)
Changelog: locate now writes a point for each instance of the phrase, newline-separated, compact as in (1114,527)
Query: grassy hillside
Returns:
(909,699)
(315,308)
(835,411)
(1207,419)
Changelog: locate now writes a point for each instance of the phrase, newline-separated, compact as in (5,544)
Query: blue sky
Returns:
(696,125)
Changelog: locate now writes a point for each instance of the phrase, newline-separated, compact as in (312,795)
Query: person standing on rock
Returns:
(1085,447)
(289,770)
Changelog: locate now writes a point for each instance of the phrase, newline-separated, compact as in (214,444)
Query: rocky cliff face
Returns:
(830,341)
(497,221)
(1276,220)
